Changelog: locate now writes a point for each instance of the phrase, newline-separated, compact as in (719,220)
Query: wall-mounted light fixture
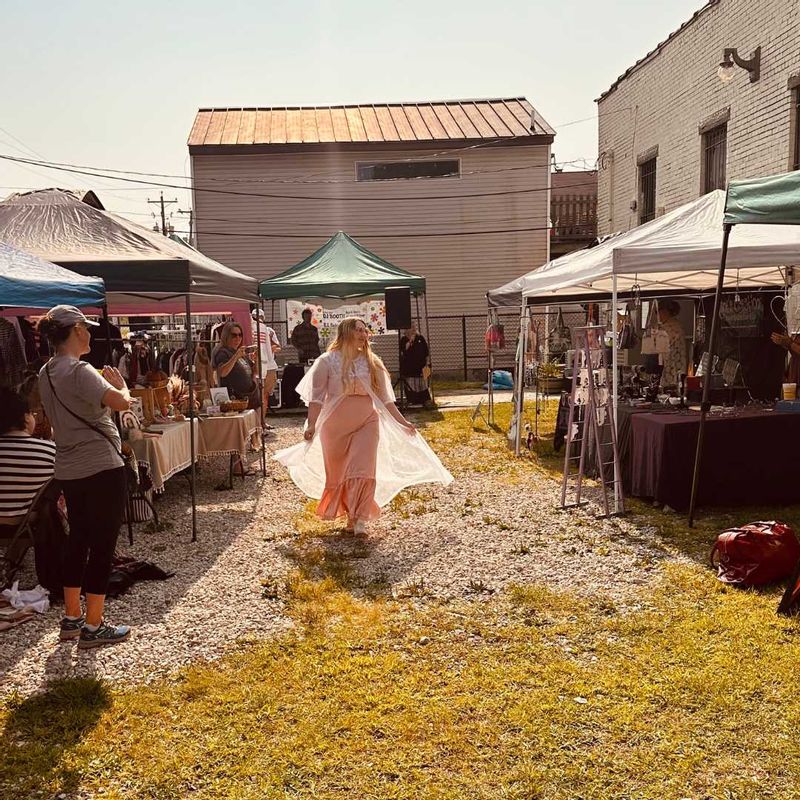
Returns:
(731,60)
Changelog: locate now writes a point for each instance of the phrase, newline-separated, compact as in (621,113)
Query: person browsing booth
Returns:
(89,466)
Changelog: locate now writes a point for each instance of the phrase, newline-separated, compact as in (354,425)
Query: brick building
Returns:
(670,129)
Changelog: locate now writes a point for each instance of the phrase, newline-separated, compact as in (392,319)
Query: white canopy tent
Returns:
(678,253)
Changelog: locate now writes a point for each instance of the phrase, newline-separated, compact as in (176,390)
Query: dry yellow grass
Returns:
(527,695)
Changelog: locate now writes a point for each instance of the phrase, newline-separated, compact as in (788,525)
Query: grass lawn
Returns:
(692,693)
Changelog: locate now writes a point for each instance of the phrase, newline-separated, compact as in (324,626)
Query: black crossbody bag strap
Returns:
(127,462)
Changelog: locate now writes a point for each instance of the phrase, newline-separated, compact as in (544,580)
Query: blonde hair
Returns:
(225,335)
(345,344)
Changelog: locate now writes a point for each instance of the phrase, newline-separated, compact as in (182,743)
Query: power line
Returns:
(374,235)
(301,181)
(272,195)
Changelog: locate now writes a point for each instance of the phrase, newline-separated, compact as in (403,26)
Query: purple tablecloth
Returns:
(752,459)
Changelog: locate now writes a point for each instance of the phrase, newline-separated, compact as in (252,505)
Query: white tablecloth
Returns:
(170,452)
(222,435)
(166,454)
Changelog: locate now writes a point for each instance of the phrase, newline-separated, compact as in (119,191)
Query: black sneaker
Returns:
(105,634)
(71,628)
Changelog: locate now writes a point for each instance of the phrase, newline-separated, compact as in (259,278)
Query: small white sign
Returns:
(219,395)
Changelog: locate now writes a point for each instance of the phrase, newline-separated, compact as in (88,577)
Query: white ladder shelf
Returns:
(591,407)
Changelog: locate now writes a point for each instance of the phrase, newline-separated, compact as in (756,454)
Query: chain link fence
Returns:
(457,342)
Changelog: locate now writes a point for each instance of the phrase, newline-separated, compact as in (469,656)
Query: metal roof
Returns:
(501,118)
(655,51)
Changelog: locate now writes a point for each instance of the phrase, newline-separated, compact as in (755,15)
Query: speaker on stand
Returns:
(398,317)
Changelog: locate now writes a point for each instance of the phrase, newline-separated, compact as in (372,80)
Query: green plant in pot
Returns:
(551,377)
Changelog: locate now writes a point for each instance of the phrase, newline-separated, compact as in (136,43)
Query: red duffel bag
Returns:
(756,554)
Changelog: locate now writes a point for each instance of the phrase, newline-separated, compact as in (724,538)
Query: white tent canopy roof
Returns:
(679,252)
(510,294)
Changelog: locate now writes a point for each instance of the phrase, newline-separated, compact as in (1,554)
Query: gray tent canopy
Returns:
(134,262)
(138,266)
(341,268)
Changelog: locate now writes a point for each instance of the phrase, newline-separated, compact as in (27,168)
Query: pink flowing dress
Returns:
(360,456)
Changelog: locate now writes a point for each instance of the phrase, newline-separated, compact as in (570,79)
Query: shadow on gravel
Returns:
(336,555)
(221,518)
(41,731)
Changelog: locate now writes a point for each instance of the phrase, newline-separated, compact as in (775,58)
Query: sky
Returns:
(117,84)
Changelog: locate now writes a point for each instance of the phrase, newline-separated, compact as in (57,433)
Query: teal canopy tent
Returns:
(341,268)
(27,281)
(773,200)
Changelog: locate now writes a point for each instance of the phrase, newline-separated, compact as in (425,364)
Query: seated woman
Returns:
(26,463)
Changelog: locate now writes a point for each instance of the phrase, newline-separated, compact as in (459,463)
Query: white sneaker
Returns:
(360,528)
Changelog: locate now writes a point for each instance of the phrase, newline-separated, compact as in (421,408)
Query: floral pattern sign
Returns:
(373,312)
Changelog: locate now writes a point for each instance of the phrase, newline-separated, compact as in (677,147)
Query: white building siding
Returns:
(665,100)
(460,267)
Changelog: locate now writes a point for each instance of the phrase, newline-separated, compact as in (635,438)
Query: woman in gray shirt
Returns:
(78,401)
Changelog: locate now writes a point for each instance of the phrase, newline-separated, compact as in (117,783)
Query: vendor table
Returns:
(164,455)
(750,458)
(222,436)
(625,413)
(170,452)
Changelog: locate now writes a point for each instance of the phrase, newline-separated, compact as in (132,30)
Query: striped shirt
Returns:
(26,464)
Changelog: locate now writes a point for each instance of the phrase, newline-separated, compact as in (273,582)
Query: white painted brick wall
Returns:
(665,100)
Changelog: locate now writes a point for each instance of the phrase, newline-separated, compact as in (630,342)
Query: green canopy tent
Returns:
(766,201)
(342,269)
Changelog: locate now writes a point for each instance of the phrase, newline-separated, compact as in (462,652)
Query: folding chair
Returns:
(43,512)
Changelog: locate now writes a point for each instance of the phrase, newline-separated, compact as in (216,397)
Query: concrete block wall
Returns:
(665,100)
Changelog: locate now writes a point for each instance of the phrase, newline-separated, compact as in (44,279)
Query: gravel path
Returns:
(468,540)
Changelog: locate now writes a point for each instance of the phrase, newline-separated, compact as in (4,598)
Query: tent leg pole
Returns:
(705,405)
(491,388)
(260,384)
(192,416)
(519,381)
(615,387)
(108,335)
(430,358)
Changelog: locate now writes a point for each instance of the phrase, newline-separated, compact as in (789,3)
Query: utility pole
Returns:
(190,212)
(162,202)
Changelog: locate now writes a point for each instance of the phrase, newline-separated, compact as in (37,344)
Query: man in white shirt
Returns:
(270,344)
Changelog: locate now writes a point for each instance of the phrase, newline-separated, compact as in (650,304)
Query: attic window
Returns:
(400,170)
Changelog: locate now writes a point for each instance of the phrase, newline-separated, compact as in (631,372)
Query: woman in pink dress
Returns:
(359,450)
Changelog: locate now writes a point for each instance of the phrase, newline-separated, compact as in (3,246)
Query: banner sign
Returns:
(373,312)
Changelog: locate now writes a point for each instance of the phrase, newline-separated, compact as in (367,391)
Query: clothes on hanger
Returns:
(203,371)
(12,355)
(30,339)
(98,353)
(134,365)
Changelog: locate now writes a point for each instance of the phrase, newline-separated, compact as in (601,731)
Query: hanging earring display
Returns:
(700,324)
